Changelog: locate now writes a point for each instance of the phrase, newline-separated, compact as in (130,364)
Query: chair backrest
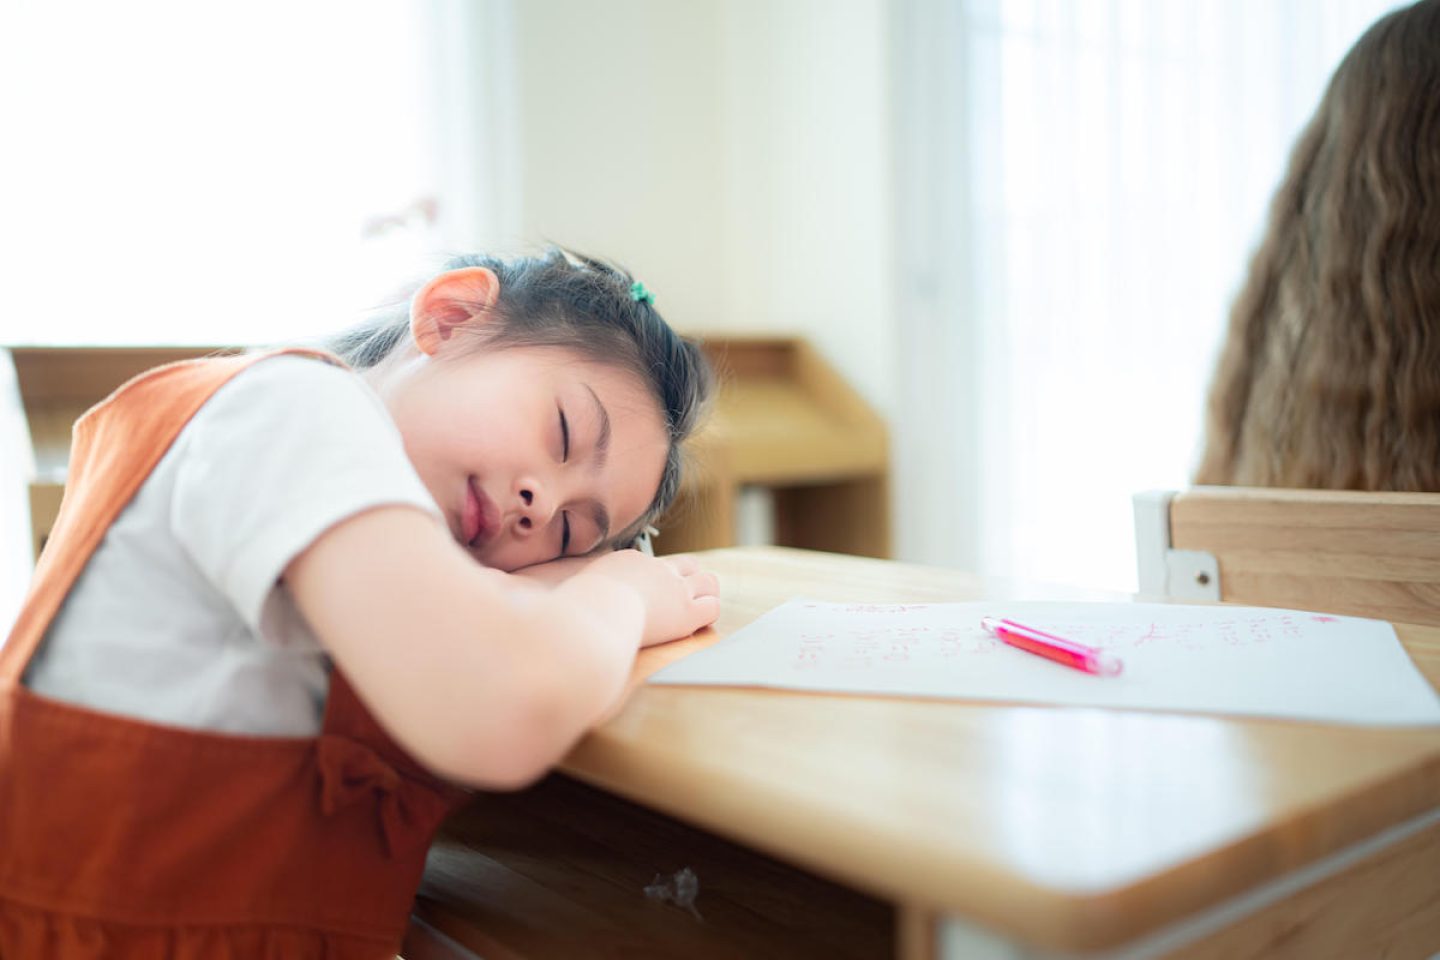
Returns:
(1338,551)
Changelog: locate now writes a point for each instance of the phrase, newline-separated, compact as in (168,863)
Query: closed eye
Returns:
(564,532)
(564,438)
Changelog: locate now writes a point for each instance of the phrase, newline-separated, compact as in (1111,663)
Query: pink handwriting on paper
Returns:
(1194,635)
(811,652)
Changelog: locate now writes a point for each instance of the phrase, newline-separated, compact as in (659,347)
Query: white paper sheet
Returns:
(1212,659)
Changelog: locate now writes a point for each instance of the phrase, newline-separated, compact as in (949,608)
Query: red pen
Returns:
(1055,648)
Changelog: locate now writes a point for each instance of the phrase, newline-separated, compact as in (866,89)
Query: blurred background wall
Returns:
(1014,225)
(734,152)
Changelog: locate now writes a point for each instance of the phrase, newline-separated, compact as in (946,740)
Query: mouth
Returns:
(479,517)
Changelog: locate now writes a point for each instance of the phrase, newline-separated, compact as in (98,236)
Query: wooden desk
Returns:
(942,828)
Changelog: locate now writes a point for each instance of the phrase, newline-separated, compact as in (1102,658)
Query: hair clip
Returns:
(643,538)
(639,294)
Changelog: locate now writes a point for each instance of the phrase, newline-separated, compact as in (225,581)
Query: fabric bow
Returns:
(351,772)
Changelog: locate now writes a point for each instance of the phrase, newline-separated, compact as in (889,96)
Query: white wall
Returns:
(620,141)
(808,201)
(733,153)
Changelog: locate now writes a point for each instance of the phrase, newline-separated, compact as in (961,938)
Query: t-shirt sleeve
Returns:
(276,457)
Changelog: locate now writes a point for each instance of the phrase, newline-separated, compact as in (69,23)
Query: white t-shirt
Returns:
(178,617)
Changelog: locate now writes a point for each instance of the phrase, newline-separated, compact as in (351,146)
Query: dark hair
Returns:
(1330,375)
(563,299)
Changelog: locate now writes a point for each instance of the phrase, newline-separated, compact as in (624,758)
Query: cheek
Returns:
(423,441)
(640,492)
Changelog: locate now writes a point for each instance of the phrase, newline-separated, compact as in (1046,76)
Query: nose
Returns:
(535,507)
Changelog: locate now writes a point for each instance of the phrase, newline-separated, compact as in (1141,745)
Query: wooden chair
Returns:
(1339,551)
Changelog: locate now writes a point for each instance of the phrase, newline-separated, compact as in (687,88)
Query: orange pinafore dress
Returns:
(125,839)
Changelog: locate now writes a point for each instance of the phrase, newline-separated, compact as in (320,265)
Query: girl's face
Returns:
(532,453)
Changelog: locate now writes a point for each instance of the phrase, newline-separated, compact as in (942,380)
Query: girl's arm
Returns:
(484,677)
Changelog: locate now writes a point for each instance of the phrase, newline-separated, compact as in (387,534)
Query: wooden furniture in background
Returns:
(787,422)
(1341,551)
(57,385)
(986,830)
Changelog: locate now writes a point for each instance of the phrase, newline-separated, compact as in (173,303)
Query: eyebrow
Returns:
(602,450)
(602,443)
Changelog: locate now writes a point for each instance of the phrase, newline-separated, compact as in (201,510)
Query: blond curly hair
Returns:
(1330,374)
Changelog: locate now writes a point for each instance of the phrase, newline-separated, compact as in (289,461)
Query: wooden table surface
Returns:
(1064,828)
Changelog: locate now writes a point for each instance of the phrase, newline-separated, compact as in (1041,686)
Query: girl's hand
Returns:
(679,597)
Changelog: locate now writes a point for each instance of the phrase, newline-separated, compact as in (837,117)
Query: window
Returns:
(192,173)
(1084,182)
(181,172)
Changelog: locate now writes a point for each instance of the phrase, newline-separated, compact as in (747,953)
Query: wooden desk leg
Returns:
(922,934)
(956,939)
(914,933)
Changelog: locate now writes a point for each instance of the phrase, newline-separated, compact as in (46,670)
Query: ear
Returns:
(452,300)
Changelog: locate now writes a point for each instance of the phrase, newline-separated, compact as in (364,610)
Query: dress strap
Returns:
(114,447)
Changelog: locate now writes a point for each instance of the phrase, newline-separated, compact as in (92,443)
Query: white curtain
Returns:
(1082,185)
(180,172)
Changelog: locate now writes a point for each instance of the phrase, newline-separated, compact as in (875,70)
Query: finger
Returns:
(683,564)
(706,610)
(704,584)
